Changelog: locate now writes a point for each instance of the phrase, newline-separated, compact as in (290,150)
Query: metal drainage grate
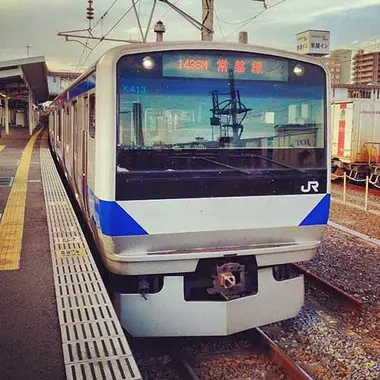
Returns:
(94,344)
(6,181)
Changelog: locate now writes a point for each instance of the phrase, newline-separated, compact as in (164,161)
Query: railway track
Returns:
(337,293)
(320,283)
(253,356)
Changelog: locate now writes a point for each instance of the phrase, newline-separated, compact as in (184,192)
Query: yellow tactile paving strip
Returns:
(2,147)
(12,222)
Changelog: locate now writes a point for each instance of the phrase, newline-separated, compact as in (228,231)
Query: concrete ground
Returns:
(30,341)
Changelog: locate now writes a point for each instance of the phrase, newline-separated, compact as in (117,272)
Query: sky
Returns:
(353,24)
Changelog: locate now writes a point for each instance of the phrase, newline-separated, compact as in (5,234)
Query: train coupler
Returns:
(229,281)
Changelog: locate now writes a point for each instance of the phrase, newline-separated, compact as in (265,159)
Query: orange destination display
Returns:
(214,66)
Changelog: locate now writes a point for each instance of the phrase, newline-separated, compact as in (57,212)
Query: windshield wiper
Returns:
(279,163)
(245,171)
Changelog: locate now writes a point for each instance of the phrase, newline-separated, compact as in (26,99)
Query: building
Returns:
(345,57)
(339,63)
(355,91)
(313,42)
(366,67)
(334,65)
(58,81)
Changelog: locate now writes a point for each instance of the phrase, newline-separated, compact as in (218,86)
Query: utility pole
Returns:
(207,19)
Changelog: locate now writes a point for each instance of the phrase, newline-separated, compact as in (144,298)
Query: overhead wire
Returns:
(220,26)
(104,14)
(90,30)
(150,19)
(248,20)
(138,19)
(168,10)
(234,22)
(115,25)
(81,56)
(238,22)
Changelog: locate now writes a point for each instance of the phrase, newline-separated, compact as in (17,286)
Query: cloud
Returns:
(342,6)
(36,22)
(55,64)
(307,11)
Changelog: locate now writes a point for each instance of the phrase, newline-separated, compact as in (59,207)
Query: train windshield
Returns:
(219,110)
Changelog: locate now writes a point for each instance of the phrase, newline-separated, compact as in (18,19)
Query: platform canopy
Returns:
(19,76)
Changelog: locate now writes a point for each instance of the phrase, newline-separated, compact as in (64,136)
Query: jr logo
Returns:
(311,185)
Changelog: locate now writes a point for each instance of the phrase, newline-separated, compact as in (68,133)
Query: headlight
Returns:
(299,70)
(148,63)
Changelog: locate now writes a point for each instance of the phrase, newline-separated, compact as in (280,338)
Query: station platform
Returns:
(56,319)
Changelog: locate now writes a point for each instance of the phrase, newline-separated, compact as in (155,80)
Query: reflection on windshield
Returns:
(202,113)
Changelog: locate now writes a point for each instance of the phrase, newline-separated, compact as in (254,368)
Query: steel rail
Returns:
(349,231)
(185,368)
(259,340)
(279,357)
(346,298)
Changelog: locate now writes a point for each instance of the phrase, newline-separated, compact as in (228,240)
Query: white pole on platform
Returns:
(30,113)
(344,187)
(6,116)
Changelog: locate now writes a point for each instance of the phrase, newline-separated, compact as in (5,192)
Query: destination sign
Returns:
(218,66)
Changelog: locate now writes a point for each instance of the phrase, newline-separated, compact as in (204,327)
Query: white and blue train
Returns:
(203,170)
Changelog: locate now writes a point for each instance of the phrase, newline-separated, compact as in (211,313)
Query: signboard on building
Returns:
(315,42)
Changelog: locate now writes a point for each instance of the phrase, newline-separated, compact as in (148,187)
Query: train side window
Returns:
(92,116)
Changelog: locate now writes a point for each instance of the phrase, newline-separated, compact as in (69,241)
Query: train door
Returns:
(335,116)
(58,137)
(91,155)
(75,141)
(69,141)
(78,146)
(348,119)
(84,152)
(65,134)
(54,129)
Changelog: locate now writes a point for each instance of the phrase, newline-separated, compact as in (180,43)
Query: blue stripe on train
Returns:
(319,214)
(85,85)
(113,220)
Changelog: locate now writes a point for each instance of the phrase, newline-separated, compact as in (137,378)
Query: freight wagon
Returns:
(356,138)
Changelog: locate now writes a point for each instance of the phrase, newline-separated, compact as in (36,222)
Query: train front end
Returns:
(221,180)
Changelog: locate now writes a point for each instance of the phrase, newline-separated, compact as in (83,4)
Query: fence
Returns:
(373,180)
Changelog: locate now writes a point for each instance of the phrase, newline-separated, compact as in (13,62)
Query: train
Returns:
(203,172)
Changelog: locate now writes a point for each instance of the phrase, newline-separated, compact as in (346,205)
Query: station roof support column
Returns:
(6,115)
(30,113)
